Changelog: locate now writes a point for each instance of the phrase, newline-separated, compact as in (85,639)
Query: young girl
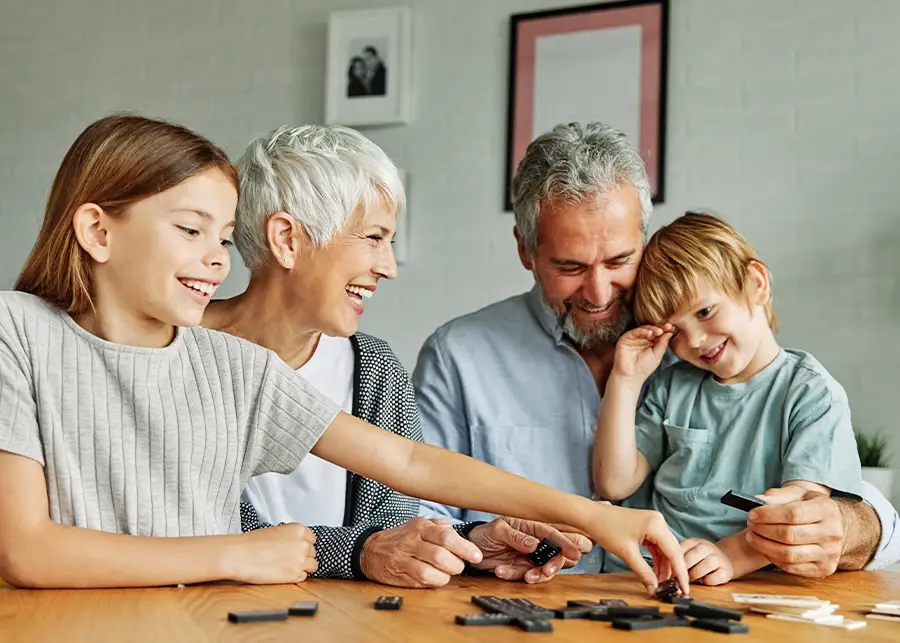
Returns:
(123,423)
(738,412)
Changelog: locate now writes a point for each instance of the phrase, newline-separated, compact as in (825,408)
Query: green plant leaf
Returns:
(872,449)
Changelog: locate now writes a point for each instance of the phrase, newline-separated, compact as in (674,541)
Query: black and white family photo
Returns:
(367,72)
(363,46)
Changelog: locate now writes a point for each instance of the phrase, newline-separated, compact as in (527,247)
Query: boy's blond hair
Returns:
(693,250)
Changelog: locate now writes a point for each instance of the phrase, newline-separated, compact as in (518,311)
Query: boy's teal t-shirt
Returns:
(791,421)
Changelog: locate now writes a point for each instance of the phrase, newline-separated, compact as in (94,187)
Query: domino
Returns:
(533,625)
(808,602)
(617,611)
(582,603)
(389,602)
(572,612)
(535,611)
(892,606)
(882,617)
(833,620)
(668,591)
(524,614)
(702,610)
(491,603)
(484,619)
(258,616)
(613,602)
(678,600)
(599,613)
(741,501)
(545,551)
(715,625)
(649,623)
(853,625)
(303,608)
(668,586)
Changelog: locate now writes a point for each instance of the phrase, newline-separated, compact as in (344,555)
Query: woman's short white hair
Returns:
(317,174)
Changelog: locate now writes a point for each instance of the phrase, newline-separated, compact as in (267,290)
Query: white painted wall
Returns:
(783,116)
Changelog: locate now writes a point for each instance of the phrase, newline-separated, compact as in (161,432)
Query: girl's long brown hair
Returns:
(115,162)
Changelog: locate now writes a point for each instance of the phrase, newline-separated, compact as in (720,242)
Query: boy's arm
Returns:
(37,552)
(622,460)
(744,559)
(618,467)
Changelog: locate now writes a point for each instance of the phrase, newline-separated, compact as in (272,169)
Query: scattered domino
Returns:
(702,610)
(533,625)
(882,617)
(388,602)
(545,551)
(649,623)
(612,602)
(741,501)
(717,625)
(572,612)
(800,612)
(617,611)
(600,613)
(885,608)
(669,592)
(535,611)
(523,613)
(668,586)
(890,606)
(678,599)
(304,608)
(582,603)
(484,619)
(258,616)
(676,621)
(833,620)
(808,602)
(853,625)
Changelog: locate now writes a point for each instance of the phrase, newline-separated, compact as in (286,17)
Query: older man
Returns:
(518,384)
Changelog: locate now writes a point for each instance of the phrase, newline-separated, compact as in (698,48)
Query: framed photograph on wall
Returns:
(600,62)
(368,79)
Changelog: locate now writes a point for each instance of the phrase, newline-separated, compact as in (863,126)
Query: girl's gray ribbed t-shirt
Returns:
(147,441)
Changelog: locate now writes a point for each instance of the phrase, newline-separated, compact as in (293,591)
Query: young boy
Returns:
(738,412)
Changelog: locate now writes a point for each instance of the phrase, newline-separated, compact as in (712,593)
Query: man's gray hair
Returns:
(317,174)
(576,164)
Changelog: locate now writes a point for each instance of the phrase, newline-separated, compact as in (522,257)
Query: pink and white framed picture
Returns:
(601,62)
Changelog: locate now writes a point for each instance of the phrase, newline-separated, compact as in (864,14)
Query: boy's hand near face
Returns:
(640,351)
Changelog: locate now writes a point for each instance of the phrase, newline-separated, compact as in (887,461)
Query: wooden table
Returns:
(345,615)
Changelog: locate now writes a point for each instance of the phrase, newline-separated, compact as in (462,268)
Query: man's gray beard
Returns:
(604,332)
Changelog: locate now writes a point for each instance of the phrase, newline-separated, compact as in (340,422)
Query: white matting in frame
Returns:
(369,79)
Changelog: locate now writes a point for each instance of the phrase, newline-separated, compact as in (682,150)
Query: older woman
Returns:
(315,220)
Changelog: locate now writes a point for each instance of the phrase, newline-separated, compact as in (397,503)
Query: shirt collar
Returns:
(544,315)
